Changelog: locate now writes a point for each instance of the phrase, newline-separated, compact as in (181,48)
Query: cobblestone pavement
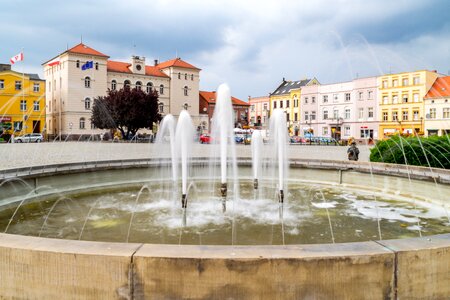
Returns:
(22,155)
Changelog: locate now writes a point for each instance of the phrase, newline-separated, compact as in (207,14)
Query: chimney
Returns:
(284,79)
(156,62)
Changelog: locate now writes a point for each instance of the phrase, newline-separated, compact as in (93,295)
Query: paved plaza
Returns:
(22,155)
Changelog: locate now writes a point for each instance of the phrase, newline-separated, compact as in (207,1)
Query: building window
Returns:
(2,84)
(313,115)
(325,98)
(274,104)
(87,82)
(313,99)
(96,65)
(347,97)
(405,115)
(36,106)
(127,84)
(360,95)
(385,115)
(138,85)
(23,105)
(87,103)
(370,95)
(395,116)
(49,85)
(370,112)
(432,113)
(306,100)
(281,103)
(415,115)
(161,89)
(385,84)
(405,81)
(446,112)
(295,117)
(416,80)
(161,107)
(405,98)
(179,75)
(287,117)
(113,85)
(82,123)
(185,76)
(347,113)
(36,87)
(265,106)
(395,82)
(287,103)
(252,107)
(395,99)
(185,90)
(335,98)
(335,114)
(192,77)
(385,100)
(18,85)
(306,116)
(78,64)
(18,125)
(416,97)
(325,131)
(149,87)
(346,130)
(325,114)
(361,113)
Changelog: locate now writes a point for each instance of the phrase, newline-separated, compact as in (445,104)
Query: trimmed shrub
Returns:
(431,151)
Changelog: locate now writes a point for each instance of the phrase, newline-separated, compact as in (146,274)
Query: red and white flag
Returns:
(16,58)
(53,62)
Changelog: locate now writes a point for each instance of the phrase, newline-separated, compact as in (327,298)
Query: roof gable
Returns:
(210,97)
(83,49)
(176,62)
(287,85)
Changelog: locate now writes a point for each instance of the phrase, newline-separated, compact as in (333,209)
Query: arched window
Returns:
(185,76)
(78,64)
(82,123)
(149,87)
(113,85)
(192,76)
(87,82)
(96,65)
(161,107)
(138,85)
(179,75)
(161,89)
(127,83)
(185,90)
(87,103)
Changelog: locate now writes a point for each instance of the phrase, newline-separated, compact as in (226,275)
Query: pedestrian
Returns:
(353,152)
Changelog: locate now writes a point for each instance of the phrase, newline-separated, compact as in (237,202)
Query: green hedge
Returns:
(419,151)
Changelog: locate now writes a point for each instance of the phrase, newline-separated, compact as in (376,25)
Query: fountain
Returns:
(323,244)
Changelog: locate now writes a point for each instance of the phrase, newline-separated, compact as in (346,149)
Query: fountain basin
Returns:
(43,268)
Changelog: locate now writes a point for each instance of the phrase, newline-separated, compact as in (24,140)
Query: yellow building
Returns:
(401,104)
(22,102)
(287,97)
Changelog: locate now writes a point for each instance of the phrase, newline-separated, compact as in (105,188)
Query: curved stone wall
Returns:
(41,268)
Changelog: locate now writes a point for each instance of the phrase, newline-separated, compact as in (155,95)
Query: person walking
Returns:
(353,152)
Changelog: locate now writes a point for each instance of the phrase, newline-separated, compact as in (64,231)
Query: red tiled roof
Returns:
(210,97)
(440,88)
(122,67)
(176,62)
(83,49)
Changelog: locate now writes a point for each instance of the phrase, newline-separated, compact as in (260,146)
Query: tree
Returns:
(127,110)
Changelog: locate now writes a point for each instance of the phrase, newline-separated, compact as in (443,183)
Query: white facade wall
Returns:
(437,116)
(310,107)
(366,108)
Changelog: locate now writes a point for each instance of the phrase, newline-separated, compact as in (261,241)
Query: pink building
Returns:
(258,114)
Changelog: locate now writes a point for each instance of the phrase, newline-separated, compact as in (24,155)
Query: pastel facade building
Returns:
(22,102)
(401,102)
(437,108)
(71,88)
(259,111)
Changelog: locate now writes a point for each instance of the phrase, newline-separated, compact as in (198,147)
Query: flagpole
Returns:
(23,94)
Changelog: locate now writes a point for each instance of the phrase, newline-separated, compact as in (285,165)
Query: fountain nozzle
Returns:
(281,196)
(183,201)
(255,183)
(223,190)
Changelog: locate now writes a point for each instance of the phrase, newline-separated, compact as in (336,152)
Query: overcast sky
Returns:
(250,44)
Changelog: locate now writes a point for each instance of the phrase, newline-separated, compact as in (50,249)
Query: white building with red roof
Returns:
(71,88)
(437,108)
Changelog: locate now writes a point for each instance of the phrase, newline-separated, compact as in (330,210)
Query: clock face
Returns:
(138,67)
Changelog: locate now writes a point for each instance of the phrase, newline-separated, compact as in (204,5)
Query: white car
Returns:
(29,138)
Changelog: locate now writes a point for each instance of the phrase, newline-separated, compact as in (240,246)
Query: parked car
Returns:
(205,139)
(29,138)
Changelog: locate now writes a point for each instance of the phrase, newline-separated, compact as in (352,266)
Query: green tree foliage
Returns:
(127,110)
(419,151)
